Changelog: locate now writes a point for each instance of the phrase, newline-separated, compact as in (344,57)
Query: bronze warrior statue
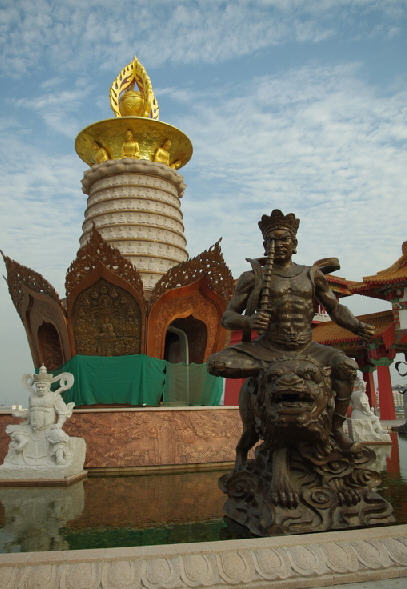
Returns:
(294,399)
(285,321)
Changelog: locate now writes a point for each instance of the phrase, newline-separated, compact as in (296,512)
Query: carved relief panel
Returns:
(106,321)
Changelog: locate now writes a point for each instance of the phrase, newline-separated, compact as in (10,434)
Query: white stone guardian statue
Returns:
(364,425)
(39,447)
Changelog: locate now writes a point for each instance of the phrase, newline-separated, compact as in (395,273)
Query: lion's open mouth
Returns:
(292,398)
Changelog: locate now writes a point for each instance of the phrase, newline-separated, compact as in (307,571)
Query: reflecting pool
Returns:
(103,512)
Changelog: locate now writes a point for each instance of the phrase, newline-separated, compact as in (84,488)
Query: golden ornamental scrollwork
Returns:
(19,277)
(209,264)
(125,101)
(95,251)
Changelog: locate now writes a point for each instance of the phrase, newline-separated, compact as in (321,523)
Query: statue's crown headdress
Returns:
(277,220)
(43,375)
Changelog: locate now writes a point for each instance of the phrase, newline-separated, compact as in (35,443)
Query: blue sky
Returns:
(298,105)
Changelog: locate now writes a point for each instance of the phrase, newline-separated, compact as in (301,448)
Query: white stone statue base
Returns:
(47,470)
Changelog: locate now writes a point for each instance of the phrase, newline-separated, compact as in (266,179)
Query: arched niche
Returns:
(105,316)
(185,340)
(49,346)
(45,318)
(195,300)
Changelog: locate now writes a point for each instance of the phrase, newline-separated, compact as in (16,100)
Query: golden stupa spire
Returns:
(135,132)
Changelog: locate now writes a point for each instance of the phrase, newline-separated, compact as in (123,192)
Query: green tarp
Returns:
(139,380)
(191,384)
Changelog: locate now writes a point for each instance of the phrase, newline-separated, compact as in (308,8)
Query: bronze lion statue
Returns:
(299,480)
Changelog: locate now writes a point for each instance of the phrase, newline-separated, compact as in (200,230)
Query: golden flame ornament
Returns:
(125,101)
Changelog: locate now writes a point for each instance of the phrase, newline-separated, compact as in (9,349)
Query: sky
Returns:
(293,104)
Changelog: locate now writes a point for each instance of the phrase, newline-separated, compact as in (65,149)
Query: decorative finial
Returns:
(125,101)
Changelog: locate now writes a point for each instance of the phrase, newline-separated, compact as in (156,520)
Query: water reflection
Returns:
(383,454)
(33,516)
(145,510)
(394,479)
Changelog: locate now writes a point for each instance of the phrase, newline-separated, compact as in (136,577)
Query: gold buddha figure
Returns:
(162,154)
(130,147)
(101,154)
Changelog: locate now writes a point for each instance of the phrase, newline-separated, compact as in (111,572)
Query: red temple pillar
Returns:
(393,462)
(370,388)
(232,390)
(386,401)
(233,385)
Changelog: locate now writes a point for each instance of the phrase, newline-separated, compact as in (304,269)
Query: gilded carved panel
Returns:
(106,321)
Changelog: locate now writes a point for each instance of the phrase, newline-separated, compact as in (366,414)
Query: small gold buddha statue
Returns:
(162,154)
(130,147)
(101,154)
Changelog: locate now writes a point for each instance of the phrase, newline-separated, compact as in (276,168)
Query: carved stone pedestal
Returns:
(43,467)
(303,489)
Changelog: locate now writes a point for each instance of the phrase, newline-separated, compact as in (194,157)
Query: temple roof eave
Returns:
(396,274)
(371,287)
(329,333)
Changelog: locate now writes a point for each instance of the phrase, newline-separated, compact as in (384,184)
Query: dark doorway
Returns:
(195,340)
(49,346)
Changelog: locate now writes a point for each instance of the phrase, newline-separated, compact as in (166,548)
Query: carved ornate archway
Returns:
(37,303)
(195,300)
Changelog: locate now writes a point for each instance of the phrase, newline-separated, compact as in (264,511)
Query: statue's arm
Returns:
(232,318)
(337,312)
(63,411)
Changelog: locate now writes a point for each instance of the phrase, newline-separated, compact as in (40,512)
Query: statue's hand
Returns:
(366,331)
(259,320)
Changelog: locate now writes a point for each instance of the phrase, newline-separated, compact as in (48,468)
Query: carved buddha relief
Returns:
(106,321)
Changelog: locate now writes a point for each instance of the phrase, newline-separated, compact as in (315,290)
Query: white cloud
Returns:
(81,36)
(317,141)
(59,109)
(41,206)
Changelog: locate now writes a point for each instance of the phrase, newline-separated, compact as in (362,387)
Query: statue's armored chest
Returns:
(44,402)
(295,284)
